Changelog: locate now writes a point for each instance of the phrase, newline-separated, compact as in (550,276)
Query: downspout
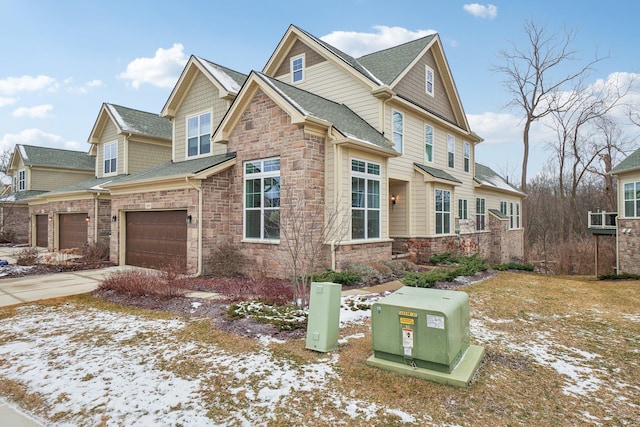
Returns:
(95,219)
(199,258)
(337,166)
(617,247)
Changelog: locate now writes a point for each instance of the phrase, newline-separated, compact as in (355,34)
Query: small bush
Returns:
(429,279)
(27,256)
(470,265)
(141,283)
(345,278)
(268,291)
(514,266)
(96,253)
(284,318)
(443,258)
(368,274)
(227,261)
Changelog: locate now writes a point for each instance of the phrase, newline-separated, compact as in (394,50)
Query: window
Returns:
(199,135)
(517,215)
(15,184)
(511,217)
(398,130)
(365,200)
(429,81)
(632,200)
(467,156)
(110,158)
(297,69)
(22,180)
(262,199)
(480,214)
(503,208)
(443,211)
(428,143)
(451,148)
(463,209)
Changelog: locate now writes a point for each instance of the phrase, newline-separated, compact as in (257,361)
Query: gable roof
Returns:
(21,196)
(227,81)
(486,177)
(629,164)
(32,155)
(390,63)
(129,120)
(439,174)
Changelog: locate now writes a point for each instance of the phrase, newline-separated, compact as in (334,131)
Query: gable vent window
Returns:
(429,81)
(199,135)
(297,69)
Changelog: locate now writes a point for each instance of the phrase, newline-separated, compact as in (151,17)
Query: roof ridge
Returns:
(397,46)
(133,109)
(51,148)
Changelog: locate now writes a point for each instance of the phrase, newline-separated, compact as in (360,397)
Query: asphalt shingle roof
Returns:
(437,173)
(630,163)
(486,176)
(339,115)
(389,63)
(21,196)
(55,157)
(232,80)
(499,214)
(141,122)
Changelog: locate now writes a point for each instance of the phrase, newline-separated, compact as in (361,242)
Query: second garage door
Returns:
(42,230)
(156,239)
(73,230)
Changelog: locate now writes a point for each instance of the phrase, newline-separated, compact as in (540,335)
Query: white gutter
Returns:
(199,258)
(617,247)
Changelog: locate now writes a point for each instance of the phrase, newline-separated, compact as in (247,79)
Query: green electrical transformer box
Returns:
(425,333)
(323,323)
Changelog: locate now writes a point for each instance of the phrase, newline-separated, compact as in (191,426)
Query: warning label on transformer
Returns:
(436,322)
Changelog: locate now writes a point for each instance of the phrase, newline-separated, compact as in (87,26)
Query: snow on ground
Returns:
(94,366)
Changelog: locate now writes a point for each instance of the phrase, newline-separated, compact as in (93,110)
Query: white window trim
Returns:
(433,137)
(367,177)
(426,81)
(463,205)
(635,188)
(186,134)
(261,176)
(104,158)
(505,204)
(451,149)
(302,69)
(481,213)
(435,204)
(393,131)
(466,156)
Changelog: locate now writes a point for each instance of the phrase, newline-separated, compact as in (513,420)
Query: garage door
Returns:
(156,239)
(73,230)
(42,231)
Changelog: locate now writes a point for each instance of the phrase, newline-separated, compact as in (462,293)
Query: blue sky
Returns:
(61,60)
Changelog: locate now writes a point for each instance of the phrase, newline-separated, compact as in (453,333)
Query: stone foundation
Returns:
(629,245)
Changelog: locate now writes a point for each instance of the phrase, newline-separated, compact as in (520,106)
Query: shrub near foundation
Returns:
(143,283)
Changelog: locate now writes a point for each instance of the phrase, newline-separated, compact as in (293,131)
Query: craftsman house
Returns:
(34,171)
(625,223)
(381,143)
(123,141)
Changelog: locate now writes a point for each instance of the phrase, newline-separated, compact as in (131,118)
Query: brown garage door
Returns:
(42,231)
(156,239)
(73,230)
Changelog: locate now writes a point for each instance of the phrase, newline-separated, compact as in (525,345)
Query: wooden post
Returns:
(597,250)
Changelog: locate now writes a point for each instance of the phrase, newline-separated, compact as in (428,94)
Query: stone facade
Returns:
(15,222)
(628,245)
(498,245)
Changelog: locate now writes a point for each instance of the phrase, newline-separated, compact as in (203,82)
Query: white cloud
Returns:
(357,44)
(481,11)
(37,137)
(14,85)
(7,101)
(37,112)
(85,88)
(162,70)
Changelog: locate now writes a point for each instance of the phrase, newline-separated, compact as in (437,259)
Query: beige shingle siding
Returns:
(412,87)
(202,97)
(110,134)
(311,58)
(143,156)
(50,180)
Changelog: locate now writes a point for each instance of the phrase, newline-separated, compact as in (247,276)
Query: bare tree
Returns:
(532,80)
(310,235)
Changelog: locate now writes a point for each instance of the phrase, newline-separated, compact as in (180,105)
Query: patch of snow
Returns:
(225,80)
(346,339)
(5,270)
(23,153)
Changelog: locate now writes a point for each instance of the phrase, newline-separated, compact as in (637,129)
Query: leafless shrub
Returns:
(226,261)
(27,256)
(96,253)
(141,283)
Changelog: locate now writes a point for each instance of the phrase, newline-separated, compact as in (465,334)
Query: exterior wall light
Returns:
(189,218)
(393,199)
(114,218)
(87,218)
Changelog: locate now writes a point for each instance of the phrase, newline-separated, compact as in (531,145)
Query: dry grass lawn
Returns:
(559,351)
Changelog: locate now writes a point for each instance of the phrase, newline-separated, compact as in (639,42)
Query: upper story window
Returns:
(443,211)
(429,81)
(398,130)
(22,180)
(463,209)
(365,200)
(481,214)
(262,199)
(110,151)
(297,68)
(466,152)
(428,143)
(503,208)
(451,150)
(199,135)
(632,200)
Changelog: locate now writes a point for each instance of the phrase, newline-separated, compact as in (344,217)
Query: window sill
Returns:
(363,241)
(260,241)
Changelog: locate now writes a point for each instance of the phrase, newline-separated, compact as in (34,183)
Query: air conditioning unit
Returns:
(425,333)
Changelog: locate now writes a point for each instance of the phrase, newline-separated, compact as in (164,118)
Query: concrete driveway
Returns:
(33,288)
